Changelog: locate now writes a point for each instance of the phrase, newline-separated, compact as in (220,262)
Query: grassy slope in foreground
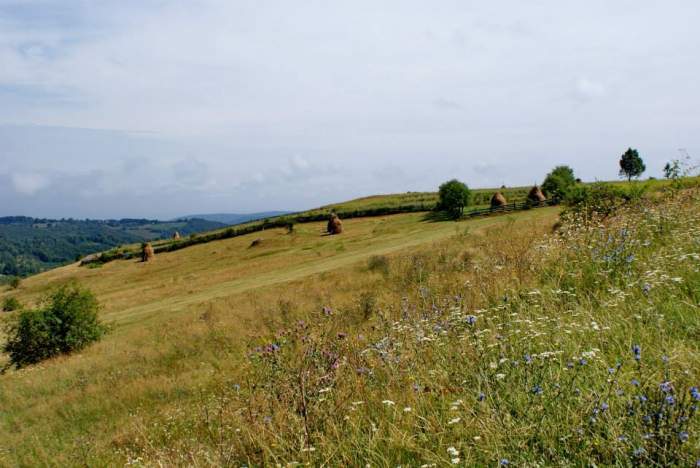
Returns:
(181,323)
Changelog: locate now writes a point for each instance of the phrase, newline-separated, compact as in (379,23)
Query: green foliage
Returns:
(631,164)
(15,282)
(602,199)
(67,321)
(11,304)
(672,170)
(454,196)
(559,182)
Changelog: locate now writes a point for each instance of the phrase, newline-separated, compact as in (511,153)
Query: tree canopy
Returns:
(454,196)
(631,164)
(559,181)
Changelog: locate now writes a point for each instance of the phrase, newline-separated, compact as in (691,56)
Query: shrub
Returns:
(454,196)
(559,182)
(67,321)
(15,282)
(378,263)
(11,304)
(602,199)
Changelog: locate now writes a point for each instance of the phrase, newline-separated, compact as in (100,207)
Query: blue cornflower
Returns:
(670,400)
(481,397)
(642,398)
(638,452)
(683,436)
(635,382)
(622,438)
(646,288)
(471,319)
(664,358)
(528,359)
(504,462)
(695,393)
(611,370)
(537,390)
(666,387)
(582,362)
(637,350)
(604,406)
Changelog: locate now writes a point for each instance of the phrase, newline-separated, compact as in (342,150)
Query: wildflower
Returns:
(642,398)
(537,390)
(452,451)
(637,350)
(455,460)
(500,376)
(666,387)
(646,288)
(611,370)
(504,462)
(622,438)
(604,406)
(695,393)
(388,402)
(407,409)
(569,365)
(664,358)
(635,382)
(683,436)
(481,397)
(670,400)
(327,310)
(471,320)
(528,359)
(582,362)
(454,421)
(639,452)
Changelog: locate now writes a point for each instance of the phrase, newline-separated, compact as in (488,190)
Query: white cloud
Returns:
(29,183)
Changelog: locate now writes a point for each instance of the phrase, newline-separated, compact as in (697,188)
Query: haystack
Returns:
(176,236)
(335,225)
(536,195)
(147,252)
(92,258)
(498,200)
(256,242)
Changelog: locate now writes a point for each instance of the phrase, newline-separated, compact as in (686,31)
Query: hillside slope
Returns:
(182,322)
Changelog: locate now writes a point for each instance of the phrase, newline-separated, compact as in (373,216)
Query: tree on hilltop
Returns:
(631,164)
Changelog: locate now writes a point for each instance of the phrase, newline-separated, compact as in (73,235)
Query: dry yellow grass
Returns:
(182,322)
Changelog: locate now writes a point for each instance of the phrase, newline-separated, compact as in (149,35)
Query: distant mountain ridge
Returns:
(30,245)
(235,218)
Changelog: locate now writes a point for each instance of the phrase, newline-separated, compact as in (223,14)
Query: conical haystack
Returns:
(147,252)
(176,236)
(498,200)
(536,195)
(335,225)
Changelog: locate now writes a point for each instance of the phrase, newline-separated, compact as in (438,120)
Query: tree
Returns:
(454,196)
(672,170)
(631,165)
(559,182)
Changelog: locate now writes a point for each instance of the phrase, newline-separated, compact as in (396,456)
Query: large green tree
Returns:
(631,164)
(559,182)
(454,196)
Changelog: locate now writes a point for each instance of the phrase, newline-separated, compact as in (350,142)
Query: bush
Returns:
(559,182)
(11,304)
(15,282)
(454,196)
(66,322)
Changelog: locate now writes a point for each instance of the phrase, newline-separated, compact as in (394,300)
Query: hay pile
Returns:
(256,242)
(176,236)
(498,200)
(147,252)
(93,258)
(536,195)
(335,225)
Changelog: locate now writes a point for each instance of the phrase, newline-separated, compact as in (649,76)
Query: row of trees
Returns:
(454,195)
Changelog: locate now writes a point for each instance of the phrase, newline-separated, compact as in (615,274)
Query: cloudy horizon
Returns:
(166,108)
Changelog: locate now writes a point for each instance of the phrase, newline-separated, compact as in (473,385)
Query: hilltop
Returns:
(404,340)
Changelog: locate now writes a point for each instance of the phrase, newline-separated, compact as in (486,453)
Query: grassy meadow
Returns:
(522,340)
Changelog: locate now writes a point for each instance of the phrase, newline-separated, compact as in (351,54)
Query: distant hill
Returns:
(30,245)
(235,218)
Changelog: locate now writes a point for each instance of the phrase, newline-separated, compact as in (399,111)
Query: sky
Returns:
(156,108)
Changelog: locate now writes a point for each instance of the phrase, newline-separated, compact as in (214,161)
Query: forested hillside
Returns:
(29,245)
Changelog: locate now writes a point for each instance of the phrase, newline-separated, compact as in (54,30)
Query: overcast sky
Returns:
(157,108)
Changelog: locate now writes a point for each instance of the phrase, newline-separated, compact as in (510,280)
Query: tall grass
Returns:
(516,348)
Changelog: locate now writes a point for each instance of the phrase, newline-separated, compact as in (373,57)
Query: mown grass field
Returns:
(517,339)
(182,323)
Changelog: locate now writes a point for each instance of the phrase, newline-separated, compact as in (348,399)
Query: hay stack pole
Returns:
(536,195)
(147,252)
(335,225)
(498,200)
